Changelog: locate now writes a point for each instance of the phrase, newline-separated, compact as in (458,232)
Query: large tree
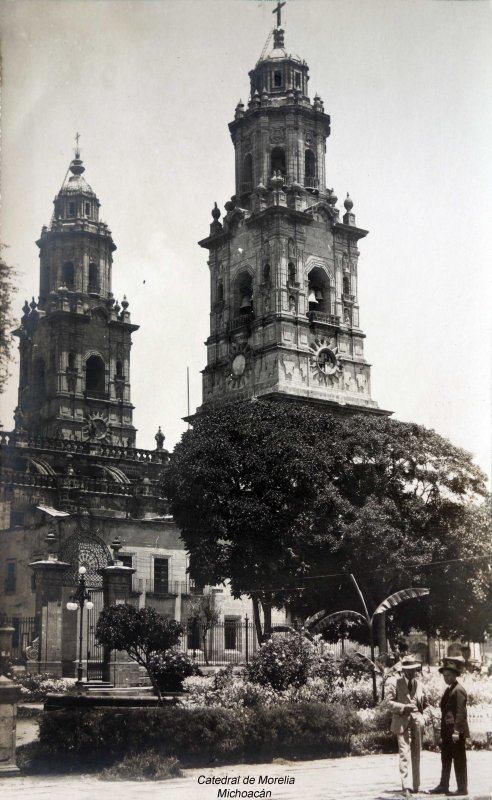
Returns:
(272,495)
(7,290)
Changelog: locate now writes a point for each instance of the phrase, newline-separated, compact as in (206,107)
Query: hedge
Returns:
(195,736)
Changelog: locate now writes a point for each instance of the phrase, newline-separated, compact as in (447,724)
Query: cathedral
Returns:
(284,323)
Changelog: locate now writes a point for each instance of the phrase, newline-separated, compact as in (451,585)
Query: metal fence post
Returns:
(246,624)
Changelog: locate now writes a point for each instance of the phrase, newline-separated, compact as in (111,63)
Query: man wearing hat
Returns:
(454,729)
(407,701)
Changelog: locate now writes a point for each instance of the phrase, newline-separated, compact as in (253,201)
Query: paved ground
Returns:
(359,778)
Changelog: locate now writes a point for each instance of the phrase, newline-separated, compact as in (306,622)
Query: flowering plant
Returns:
(170,668)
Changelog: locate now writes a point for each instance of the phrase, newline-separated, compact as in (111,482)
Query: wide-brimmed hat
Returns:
(454,663)
(409,662)
(450,668)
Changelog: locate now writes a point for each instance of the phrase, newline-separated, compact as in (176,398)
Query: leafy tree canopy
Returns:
(143,633)
(271,495)
(7,289)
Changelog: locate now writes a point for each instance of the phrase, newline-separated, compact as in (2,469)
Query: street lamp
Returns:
(80,599)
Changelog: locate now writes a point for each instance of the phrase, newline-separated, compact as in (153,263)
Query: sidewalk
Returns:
(358,778)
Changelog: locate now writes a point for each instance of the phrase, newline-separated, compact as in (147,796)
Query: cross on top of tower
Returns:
(278,12)
(77,149)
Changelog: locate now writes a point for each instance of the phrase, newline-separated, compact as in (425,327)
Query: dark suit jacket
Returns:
(453,711)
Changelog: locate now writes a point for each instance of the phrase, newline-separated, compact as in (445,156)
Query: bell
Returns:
(319,295)
(312,297)
(246,304)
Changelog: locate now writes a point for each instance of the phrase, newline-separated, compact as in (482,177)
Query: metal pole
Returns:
(79,670)
(246,623)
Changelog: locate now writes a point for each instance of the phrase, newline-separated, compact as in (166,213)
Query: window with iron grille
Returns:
(10,580)
(161,575)
(231,633)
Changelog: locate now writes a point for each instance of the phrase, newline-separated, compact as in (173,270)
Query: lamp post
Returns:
(80,599)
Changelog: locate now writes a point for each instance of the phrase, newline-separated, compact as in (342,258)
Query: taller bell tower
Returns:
(283,262)
(75,341)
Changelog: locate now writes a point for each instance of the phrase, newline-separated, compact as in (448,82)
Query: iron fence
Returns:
(235,641)
(26,630)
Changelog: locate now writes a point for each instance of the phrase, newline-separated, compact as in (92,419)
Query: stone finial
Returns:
(215,226)
(124,303)
(239,110)
(349,216)
(216,212)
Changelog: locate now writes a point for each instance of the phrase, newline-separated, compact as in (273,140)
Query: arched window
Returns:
(247,184)
(266,274)
(94,375)
(119,369)
(94,287)
(319,291)
(346,284)
(291,274)
(71,209)
(87,209)
(310,169)
(220,292)
(278,161)
(71,361)
(68,274)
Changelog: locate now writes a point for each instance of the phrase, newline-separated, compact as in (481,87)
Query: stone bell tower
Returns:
(75,341)
(284,318)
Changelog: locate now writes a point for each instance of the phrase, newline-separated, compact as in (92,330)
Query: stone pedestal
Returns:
(49,608)
(9,697)
(119,669)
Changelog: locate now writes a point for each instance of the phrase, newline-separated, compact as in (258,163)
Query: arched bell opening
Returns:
(94,287)
(346,284)
(95,379)
(68,274)
(319,298)
(278,161)
(244,295)
(310,169)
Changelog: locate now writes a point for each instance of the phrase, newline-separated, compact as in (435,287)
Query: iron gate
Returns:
(95,651)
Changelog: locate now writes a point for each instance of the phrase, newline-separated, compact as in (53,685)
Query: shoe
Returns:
(407,794)
(439,790)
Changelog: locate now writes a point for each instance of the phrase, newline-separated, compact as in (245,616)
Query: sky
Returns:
(152,85)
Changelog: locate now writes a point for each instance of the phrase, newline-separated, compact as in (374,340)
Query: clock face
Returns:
(238,365)
(326,360)
(96,428)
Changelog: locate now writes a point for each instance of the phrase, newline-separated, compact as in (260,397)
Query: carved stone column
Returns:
(49,610)
(119,669)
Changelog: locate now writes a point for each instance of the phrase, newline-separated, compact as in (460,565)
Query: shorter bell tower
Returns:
(75,341)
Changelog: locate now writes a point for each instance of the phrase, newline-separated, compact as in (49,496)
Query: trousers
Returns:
(409,747)
(454,752)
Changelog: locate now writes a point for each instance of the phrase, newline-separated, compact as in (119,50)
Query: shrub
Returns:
(287,660)
(105,737)
(304,729)
(35,688)
(368,742)
(171,668)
